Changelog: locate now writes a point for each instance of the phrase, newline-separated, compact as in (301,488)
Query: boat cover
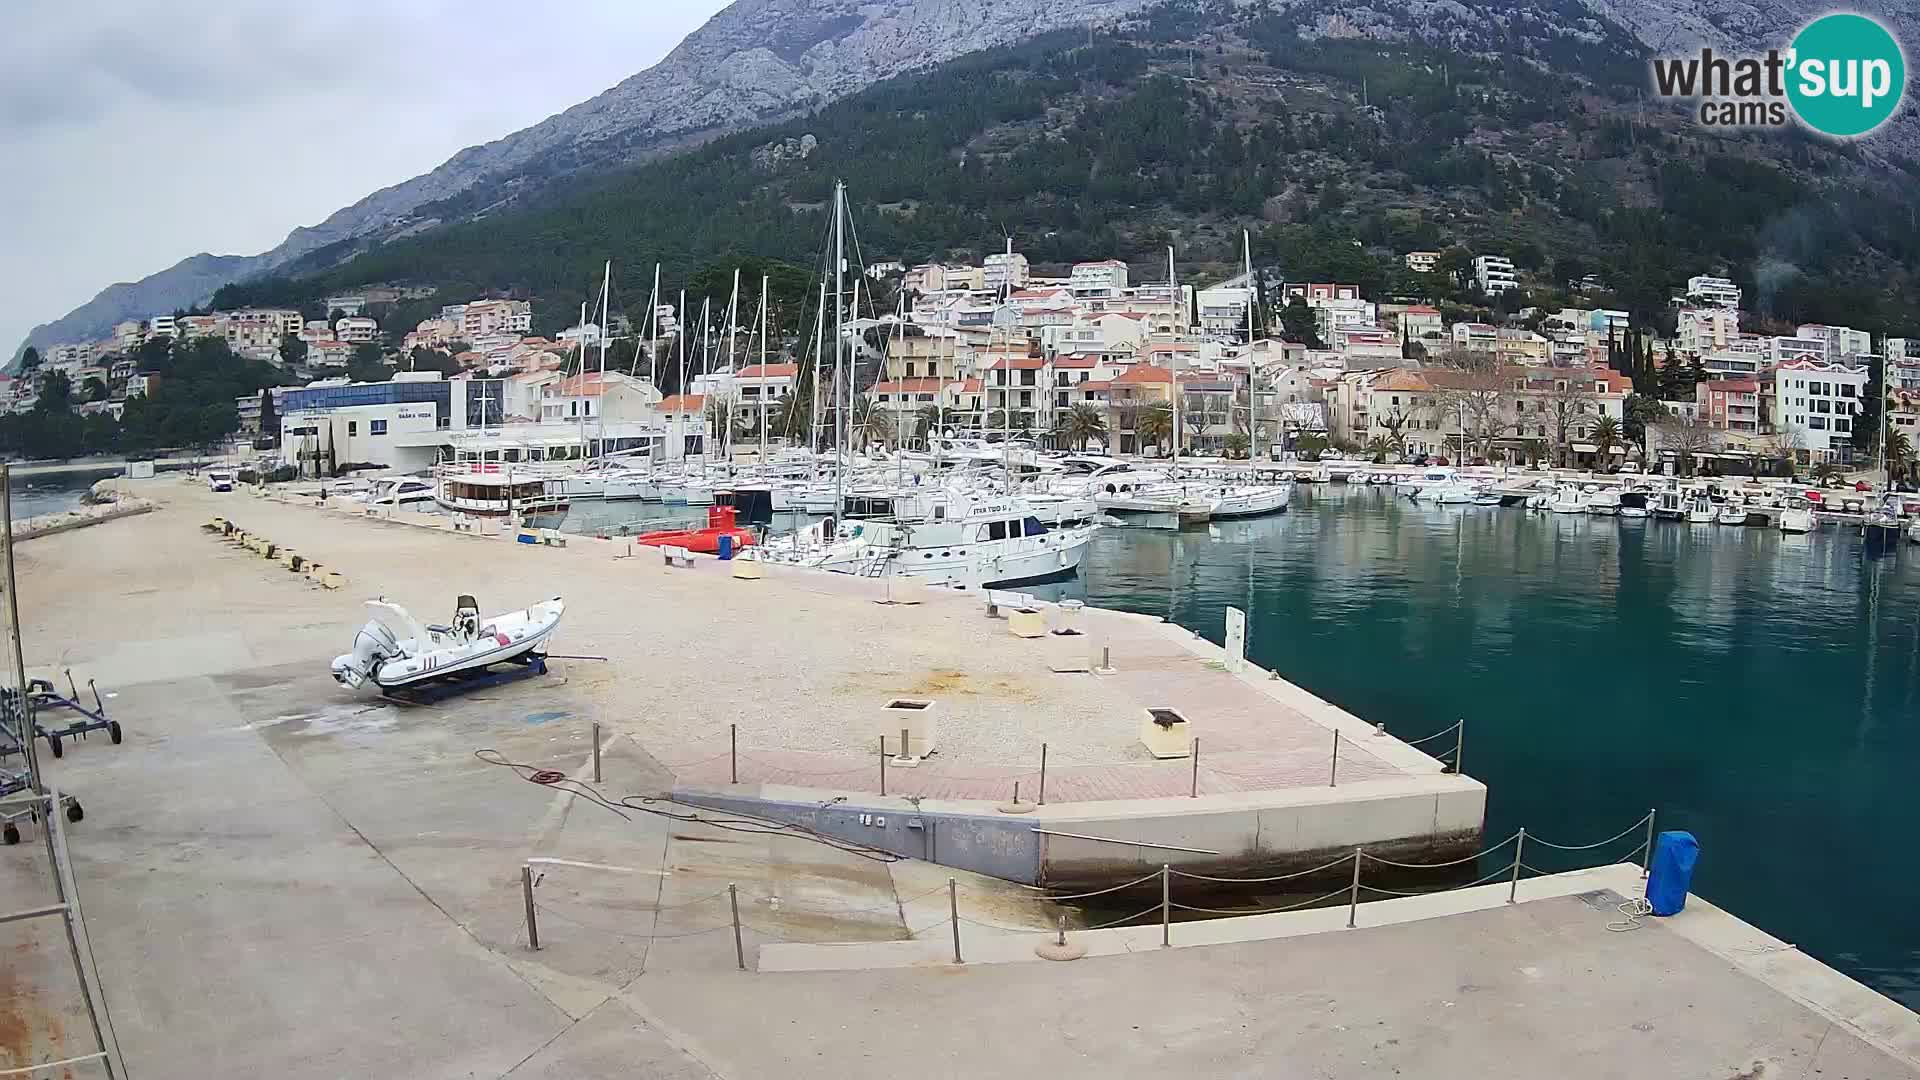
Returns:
(1674,854)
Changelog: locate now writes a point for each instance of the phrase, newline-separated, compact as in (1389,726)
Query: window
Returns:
(1841,423)
(1817,423)
(909,369)
(353,428)
(996,530)
(1846,389)
(376,427)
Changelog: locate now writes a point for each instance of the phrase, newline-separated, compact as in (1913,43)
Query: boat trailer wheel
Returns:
(74,813)
(9,834)
(113,731)
(53,743)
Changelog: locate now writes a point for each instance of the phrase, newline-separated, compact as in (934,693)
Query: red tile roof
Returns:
(1017,363)
(768,371)
(684,403)
(1144,373)
(1074,362)
(909,386)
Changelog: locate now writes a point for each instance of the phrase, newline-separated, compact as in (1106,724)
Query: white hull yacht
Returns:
(978,541)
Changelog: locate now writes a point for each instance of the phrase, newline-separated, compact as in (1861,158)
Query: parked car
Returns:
(219,480)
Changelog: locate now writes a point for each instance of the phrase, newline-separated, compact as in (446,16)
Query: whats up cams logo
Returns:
(1844,75)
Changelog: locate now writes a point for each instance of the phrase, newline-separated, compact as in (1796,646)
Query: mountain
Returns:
(755,60)
(781,61)
(1341,137)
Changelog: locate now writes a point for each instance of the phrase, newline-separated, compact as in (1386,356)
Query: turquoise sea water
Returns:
(1759,690)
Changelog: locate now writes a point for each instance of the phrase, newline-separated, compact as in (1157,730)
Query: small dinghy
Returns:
(395,651)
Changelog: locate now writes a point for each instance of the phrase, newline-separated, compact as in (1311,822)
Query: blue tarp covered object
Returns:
(1674,854)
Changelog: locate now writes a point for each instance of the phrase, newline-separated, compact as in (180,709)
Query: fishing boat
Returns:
(1731,513)
(1245,501)
(393,650)
(1700,509)
(1796,515)
(1883,527)
(1669,505)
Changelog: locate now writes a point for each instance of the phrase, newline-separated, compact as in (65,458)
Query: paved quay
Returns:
(284,879)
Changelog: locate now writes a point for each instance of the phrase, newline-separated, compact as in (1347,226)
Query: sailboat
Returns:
(1883,523)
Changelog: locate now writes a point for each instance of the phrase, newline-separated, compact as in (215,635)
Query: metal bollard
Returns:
(953,916)
(733,753)
(1459,741)
(1043,774)
(1353,894)
(1333,775)
(739,950)
(1166,906)
(1646,856)
(1519,849)
(596,751)
(1193,791)
(526,892)
(883,764)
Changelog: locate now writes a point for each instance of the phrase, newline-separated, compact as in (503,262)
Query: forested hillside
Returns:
(1343,137)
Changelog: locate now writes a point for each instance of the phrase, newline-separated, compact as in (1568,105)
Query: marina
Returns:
(292,776)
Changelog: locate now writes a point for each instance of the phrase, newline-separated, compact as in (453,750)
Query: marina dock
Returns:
(282,878)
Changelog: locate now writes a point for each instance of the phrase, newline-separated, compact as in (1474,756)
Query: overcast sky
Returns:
(134,133)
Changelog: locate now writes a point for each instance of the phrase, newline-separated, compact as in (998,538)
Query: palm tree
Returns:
(873,423)
(793,419)
(1605,435)
(1378,448)
(1154,426)
(926,422)
(1899,455)
(1083,423)
(1826,473)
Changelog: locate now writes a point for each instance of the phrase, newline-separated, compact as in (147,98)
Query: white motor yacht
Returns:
(401,491)
(1796,515)
(1670,505)
(979,541)
(1605,502)
(1700,510)
(1249,500)
(1568,499)
(1732,513)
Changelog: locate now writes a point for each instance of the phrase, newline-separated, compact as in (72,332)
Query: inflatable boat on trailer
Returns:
(396,652)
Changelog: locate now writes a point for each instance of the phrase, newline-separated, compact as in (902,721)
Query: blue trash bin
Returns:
(726,547)
(1674,854)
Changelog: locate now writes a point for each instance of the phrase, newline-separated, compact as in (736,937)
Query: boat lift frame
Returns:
(525,666)
(46,699)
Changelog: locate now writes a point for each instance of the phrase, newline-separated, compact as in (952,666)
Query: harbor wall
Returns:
(1424,819)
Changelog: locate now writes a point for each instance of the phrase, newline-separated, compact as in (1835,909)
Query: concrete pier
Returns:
(284,879)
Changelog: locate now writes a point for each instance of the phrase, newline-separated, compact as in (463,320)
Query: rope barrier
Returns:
(1502,872)
(1532,839)
(893,907)
(1260,880)
(1448,730)
(1263,911)
(1086,895)
(1482,853)
(1125,918)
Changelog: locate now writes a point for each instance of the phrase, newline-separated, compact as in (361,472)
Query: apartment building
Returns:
(356,329)
(1005,271)
(1494,273)
(484,318)
(1838,341)
(1714,291)
(1422,262)
(1706,329)
(1816,401)
(1105,278)
(1730,404)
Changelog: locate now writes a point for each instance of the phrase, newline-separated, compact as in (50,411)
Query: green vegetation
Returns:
(1341,153)
(192,404)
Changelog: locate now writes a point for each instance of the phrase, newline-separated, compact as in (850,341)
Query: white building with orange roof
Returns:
(685,416)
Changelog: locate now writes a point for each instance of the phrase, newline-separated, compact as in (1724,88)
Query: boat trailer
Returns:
(46,700)
(524,666)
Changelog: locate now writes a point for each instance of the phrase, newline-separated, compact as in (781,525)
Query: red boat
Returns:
(720,523)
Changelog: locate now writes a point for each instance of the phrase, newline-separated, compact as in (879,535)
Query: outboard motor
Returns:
(371,647)
(466,618)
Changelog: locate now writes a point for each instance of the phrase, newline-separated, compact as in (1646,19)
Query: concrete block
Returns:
(333,580)
(748,569)
(1027,624)
(1166,734)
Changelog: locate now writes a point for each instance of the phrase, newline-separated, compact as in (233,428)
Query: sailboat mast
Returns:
(733,369)
(606,325)
(653,333)
(839,342)
(765,329)
(1253,364)
(580,377)
(819,365)
(1173,354)
(680,346)
(900,414)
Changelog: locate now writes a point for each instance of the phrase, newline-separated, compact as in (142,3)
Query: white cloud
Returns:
(134,133)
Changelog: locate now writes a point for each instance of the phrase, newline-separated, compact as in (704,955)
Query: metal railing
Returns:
(1512,870)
